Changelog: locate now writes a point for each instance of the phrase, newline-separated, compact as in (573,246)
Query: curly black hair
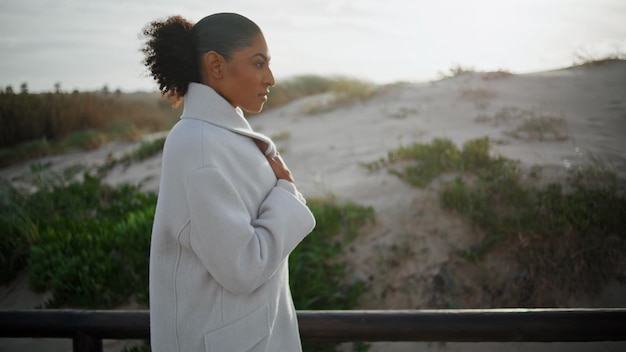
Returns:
(170,56)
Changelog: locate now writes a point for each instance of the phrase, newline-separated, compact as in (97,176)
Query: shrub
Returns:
(556,232)
(87,139)
(83,240)
(88,243)
(148,149)
(318,277)
(124,130)
(440,156)
(98,262)
(18,233)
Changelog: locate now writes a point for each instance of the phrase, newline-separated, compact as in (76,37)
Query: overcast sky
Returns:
(87,44)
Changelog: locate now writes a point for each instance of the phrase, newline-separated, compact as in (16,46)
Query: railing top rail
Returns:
(474,325)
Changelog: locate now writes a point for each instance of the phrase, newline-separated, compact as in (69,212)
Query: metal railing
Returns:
(87,329)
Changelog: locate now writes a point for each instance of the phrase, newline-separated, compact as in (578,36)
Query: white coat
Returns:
(223,230)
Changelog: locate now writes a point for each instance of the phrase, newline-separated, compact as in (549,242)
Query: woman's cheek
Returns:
(250,78)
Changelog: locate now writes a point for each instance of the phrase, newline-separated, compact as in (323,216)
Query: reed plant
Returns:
(36,125)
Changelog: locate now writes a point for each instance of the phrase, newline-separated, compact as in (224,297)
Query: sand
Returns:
(406,255)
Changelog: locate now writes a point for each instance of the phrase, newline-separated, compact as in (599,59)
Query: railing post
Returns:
(85,343)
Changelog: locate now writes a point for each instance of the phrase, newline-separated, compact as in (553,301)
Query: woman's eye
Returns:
(260,64)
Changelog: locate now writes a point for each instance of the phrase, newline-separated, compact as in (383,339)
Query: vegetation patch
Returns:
(43,124)
(125,130)
(459,70)
(583,58)
(83,240)
(456,71)
(145,150)
(36,125)
(344,92)
(318,276)
(88,244)
(477,93)
(494,75)
(565,236)
(441,156)
(297,87)
(529,124)
(89,139)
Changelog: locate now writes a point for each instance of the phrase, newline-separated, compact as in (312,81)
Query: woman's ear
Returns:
(213,64)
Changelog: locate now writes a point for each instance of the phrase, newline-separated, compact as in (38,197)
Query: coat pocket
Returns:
(240,335)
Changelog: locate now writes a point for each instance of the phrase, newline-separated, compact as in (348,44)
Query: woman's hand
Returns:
(280,168)
(277,163)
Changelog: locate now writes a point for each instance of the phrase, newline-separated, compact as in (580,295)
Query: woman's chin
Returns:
(252,109)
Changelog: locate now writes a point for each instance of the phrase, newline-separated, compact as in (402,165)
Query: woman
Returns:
(228,212)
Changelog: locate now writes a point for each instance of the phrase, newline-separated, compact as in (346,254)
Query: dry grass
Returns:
(528,124)
(344,92)
(476,93)
(500,74)
(456,71)
(583,58)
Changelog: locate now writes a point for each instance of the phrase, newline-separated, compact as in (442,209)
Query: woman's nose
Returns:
(270,78)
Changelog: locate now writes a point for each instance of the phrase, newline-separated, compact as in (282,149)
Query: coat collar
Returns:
(204,103)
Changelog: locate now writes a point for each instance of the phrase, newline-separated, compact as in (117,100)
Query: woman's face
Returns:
(247,76)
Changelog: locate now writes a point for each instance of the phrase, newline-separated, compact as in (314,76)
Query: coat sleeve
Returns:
(240,252)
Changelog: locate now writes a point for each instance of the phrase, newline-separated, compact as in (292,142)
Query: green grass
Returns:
(123,130)
(555,231)
(436,158)
(318,276)
(148,149)
(145,150)
(89,139)
(84,241)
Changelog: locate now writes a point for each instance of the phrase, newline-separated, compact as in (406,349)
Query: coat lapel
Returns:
(204,103)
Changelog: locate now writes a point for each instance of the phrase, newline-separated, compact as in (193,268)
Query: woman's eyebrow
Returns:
(261,55)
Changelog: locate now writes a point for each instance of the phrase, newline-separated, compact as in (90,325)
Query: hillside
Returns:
(409,257)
